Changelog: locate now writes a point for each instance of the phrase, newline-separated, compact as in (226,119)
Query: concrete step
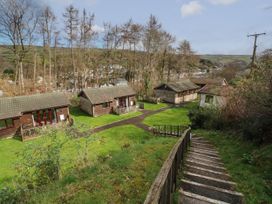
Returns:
(207,172)
(228,185)
(204,152)
(203,160)
(211,158)
(197,144)
(205,165)
(204,142)
(212,150)
(186,197)
(212,192)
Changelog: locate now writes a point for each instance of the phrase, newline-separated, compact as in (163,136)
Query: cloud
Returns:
(267,7)
(191,8)
(98,29)
(223,2)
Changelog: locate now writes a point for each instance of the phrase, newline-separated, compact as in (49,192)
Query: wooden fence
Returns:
(168,130)
(165,182)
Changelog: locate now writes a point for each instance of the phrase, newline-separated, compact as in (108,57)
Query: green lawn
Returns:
(86,121)
(249,165)
(174,116)
(152,106)
(124,161)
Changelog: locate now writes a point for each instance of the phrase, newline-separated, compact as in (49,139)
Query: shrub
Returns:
(207,118)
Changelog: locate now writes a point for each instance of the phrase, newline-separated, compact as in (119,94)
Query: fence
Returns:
(165,182)
(168,130)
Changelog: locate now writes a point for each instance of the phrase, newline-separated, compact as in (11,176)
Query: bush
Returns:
(206,118)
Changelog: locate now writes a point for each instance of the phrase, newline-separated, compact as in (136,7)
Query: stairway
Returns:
(205,180)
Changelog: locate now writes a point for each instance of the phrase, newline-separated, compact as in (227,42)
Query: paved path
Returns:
(205,180)
(137,121)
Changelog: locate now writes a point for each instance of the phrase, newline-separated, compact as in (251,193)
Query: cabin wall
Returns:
(27,120)
(86,105)
(185,98)
(62,113)
(100,110)
(218,101)
(165,95)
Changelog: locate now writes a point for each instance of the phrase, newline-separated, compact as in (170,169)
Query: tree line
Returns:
(76,55)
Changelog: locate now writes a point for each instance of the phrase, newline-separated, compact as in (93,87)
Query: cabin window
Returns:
(106,105)
(4,124)
(209,99)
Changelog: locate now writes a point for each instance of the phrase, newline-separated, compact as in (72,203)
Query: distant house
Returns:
(177,92)
(24,112)
(119,81)
(213,95)
(212,81)
(113,99)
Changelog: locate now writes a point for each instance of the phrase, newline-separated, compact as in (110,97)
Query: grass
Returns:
(152,106)
(249,165)
(124,161)
(174,116)
(86,121)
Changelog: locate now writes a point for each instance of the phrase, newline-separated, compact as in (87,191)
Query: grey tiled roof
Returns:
(15,106)
(180,86)
(214,81)
(215,90)
(107,94)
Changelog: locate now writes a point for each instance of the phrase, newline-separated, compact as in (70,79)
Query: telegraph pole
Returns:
(256,35)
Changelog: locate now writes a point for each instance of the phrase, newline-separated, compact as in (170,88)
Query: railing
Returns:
(165,182)
(124,110)
(168,130)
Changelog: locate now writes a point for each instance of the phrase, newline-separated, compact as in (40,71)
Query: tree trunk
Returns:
(22,76)
(34,71)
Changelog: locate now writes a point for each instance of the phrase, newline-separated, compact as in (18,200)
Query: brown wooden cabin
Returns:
(113,99)
(177,92)
(27,112)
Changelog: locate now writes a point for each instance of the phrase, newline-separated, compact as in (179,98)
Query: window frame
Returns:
(7,124)
(209,99)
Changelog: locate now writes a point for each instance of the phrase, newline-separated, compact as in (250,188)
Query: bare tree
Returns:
(87,34)
(188,59)
(18,21)
(71,27)
(47,27)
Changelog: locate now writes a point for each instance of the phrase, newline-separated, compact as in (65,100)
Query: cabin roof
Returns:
(14,106)
(107,94)
(180,86)
(214,81)
(215,90)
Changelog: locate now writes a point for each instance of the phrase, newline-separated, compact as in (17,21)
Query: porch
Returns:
(125,105)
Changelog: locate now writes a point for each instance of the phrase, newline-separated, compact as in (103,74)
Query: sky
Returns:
(212,26)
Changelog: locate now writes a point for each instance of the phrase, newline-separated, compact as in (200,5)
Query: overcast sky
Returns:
(212,26)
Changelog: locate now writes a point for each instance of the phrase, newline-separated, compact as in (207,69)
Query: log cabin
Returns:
(177,92)
(26,112)
(104,100)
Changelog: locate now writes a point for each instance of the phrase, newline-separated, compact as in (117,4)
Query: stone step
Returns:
(204,152)
(207,161)
(205,165)
(201,141)
(228,185)
(186,197)
(212,192)
(207,172)
(211,158)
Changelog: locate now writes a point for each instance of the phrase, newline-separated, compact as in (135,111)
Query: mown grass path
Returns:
(137,121)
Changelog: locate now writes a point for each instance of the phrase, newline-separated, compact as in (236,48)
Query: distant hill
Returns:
(224,59)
